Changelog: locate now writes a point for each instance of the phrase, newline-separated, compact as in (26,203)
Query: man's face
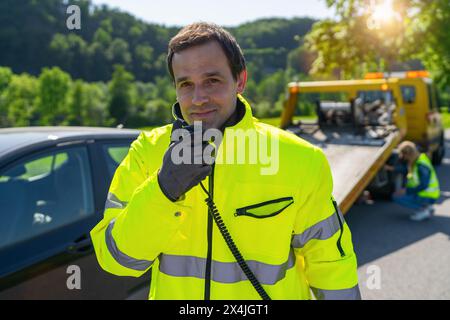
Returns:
(205,87)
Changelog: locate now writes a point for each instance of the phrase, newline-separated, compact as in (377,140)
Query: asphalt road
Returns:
(399,258)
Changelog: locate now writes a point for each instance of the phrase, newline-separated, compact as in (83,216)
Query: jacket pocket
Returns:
(265,209)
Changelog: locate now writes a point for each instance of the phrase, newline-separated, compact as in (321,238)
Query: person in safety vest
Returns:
(422,186)
(219,205)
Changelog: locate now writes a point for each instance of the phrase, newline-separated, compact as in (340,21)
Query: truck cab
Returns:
(360,122)
(417,94)
(358,125)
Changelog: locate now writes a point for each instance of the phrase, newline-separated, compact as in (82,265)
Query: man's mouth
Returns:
(203,114)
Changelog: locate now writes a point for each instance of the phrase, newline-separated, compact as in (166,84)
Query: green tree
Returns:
(77,105)
(121,95)
(349,48)
(5,78)
(37,37)
(300,60)
(143,61)
(54,87)
(103,34)
(96,108)
(369,36)
(19,98)
(118,53)
(156,112)
(71,54)
(431,30)
(271,86)
(165,89)
(98,64)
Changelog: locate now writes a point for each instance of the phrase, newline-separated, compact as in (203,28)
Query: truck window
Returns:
(371,96)
(374,108)
(308,102)
(408,94)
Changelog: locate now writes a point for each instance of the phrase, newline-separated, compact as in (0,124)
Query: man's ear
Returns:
(242,81)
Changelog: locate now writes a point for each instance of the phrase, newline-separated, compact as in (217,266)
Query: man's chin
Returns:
(207,124)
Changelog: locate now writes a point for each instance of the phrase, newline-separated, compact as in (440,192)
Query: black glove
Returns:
(175,179)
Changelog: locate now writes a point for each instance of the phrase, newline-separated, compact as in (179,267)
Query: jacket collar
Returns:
(242,118)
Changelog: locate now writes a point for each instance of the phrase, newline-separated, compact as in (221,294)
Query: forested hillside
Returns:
(33,34)
(34,38)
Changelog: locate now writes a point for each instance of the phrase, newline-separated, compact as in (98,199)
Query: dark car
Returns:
(53,186)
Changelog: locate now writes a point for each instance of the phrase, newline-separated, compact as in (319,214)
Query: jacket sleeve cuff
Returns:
(164,191)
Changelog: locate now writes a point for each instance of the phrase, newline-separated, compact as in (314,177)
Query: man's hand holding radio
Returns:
(180,172)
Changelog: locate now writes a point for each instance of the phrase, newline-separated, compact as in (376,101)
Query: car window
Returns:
(114,154)
(43,193)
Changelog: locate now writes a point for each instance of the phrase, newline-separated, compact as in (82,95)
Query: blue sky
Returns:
(223,12)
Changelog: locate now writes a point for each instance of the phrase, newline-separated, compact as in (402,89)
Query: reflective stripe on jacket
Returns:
(284,224)
(432,191)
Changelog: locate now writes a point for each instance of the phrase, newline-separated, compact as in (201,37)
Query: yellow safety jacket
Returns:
(432,191)
(284,224)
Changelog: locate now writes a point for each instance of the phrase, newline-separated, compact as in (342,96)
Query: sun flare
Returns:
(382,13)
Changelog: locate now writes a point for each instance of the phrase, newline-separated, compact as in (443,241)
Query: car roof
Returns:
(15,138)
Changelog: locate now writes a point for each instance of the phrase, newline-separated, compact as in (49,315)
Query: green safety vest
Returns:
(285,225)
(432,191)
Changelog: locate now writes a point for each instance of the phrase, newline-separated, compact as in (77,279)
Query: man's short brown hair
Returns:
(200,33)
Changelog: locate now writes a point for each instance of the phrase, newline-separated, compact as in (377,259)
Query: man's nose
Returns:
(199,96)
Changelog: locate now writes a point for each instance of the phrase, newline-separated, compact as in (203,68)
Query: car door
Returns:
(48,208)
(107,154)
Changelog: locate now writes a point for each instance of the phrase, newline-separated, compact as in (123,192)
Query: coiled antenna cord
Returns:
(232,246)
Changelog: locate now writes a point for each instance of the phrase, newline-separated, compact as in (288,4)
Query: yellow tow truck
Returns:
(360,122)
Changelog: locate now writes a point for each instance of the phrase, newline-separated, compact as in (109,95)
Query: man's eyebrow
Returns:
(206,75)
(213,74)
(181,79)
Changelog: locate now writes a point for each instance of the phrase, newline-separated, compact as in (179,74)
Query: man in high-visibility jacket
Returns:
(278,210)
(422,185)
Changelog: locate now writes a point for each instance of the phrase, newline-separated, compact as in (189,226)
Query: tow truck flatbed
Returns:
(354,159)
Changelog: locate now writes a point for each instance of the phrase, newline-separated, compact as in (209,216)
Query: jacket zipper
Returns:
(245,210)
(209,238)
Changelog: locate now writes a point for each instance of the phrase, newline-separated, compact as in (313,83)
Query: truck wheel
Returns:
(384,193)
(382,186)
(439,154)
